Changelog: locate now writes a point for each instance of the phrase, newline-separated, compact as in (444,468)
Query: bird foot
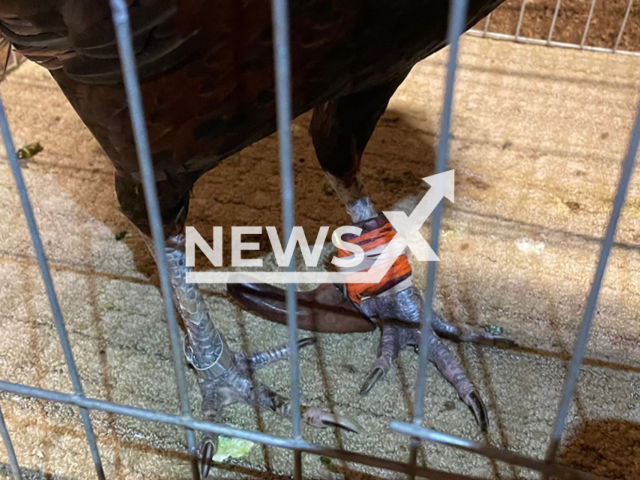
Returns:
(399,314)
(235,385)
(397,336)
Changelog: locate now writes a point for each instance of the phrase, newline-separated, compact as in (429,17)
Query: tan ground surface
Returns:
(538,139)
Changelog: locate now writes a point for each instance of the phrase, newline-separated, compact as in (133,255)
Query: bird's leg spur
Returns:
(224,376)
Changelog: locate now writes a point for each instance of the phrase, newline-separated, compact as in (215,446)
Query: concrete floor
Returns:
(537,142)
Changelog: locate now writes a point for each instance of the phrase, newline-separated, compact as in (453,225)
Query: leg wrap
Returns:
(377,234)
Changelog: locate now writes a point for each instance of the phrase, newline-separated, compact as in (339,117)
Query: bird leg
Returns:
(341,129)
(225,376)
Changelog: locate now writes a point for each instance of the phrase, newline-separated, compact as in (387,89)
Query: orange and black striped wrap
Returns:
(373,238)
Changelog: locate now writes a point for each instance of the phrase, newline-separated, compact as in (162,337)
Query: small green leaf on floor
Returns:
(232,448)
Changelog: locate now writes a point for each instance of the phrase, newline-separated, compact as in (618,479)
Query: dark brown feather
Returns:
(207,69)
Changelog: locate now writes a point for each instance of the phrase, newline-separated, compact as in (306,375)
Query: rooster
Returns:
(207,82)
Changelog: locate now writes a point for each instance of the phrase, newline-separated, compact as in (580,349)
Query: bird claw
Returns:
(322,419)
(326,310)
(236,385)
(208,448)
(477,407)
(375,375)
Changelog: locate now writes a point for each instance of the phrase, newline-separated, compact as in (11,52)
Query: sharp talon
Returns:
(478,409)
(342,422)
(322,419)
(306,342)
(373,378)
(207,451)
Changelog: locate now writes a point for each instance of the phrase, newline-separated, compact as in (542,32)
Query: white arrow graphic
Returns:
(408,229)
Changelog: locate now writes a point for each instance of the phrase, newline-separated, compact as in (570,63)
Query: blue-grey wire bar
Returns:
(282,65)
(457,16)
(296,443)
(587,24)
(11,453)
(225,430)
(48,284)
(582,339)
(122,27)
(520,18)
(623,26)
(491,452)
(553,21)
(456,25)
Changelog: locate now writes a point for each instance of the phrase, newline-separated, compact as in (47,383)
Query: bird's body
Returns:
(207,82)
(207,68)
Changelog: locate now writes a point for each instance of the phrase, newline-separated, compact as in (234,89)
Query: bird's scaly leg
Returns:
(224,376)
(341,129)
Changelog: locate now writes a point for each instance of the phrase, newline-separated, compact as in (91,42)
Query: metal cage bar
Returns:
(281,54)
(538,41)
(61,328)
(553,21)
(456,25)
(8,445)
(284,116)
(587,24)
(623,26)
(487,22)
(520,18)
(122,27)
(457,15)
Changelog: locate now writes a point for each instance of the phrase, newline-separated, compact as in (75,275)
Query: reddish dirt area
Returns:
(572,16)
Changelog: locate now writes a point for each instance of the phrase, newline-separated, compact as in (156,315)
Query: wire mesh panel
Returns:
(543,27)
(295,442)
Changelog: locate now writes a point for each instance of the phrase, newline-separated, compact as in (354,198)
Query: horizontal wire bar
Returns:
(45,272)
(134,100)
(227,431)
(8,445)
(537,41)
(491,452)
(582,338)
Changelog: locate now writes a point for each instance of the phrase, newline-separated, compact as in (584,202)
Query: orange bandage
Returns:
(400,270)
